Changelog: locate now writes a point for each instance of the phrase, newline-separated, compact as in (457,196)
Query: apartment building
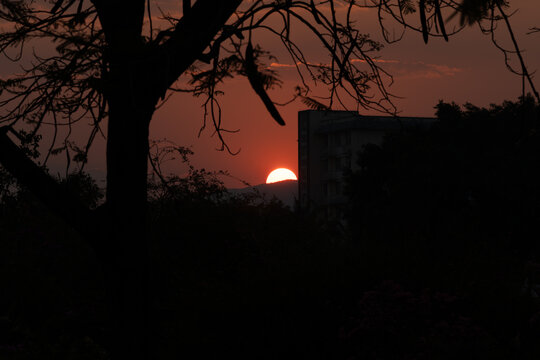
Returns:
(328,145)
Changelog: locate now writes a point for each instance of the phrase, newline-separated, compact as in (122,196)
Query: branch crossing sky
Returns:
(466,69)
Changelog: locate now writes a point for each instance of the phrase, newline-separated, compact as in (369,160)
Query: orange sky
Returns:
(468,68)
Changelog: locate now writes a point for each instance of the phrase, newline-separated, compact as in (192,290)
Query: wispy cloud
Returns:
(381,61)
(444,70)
(400,70)
(420,69)
(282,66)
(292,66)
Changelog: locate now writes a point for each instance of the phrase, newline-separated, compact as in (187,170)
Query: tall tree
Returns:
(109,64)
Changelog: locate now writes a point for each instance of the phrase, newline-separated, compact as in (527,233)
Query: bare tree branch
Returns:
(52,194)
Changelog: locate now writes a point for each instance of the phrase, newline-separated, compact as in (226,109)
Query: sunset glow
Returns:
(280,175)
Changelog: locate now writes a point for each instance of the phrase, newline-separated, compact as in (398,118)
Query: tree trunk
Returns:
(126,253)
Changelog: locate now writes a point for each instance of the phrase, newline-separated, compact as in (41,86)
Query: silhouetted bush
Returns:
(454,208)
(234,278)
(390,322)
(433,267)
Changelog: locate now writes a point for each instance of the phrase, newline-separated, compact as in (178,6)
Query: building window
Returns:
(331,164)
(324,141)
(338,164)
(347,139)
(346,162)
(337,139)
(338,188)
(324,166)
(331,188)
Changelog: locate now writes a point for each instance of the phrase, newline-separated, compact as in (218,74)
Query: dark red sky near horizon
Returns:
(466,69)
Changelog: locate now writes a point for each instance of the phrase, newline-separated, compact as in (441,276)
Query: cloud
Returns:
(399,69)
(416,69)
(292,66)
(444,70)
(282,66)
(382,61)
(421,70)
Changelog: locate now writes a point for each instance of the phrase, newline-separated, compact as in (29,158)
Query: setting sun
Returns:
(280,175)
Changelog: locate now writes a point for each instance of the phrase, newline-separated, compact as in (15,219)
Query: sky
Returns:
(466,69)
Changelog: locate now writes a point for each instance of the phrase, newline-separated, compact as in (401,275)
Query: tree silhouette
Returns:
(110,67)
(436,15)
(107,64)
(454,207)
(439,204)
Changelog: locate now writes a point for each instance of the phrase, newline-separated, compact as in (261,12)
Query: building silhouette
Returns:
(328,146)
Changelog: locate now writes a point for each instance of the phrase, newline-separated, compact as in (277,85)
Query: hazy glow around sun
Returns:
(280,175)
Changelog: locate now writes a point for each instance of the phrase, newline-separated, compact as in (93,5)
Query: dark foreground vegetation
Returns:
(438,262)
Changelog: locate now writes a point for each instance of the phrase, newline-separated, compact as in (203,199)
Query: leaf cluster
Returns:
(453,196)
(72,84)
(187,183)
(454,208)
(58,89)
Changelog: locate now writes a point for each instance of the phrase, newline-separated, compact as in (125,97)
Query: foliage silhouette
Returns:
(259,275)
(107,64)
(454,208)
(105,67)
(265,283)
(391,322)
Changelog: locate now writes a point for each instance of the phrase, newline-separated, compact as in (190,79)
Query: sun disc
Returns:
(280,174)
